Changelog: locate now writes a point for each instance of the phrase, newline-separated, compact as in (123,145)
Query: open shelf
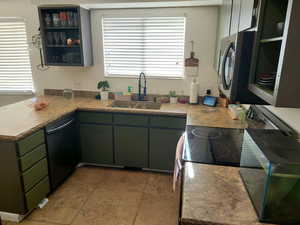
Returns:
(267,60)
(275,12)
(270,91)
(264,93)
(61,28)
(62,46)
(268,40)
(274,75)
(63,64)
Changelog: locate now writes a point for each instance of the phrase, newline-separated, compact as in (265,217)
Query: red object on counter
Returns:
(38,106)
(183,100)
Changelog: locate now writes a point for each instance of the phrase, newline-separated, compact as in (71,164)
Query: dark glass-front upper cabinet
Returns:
(66,35)
(275,70)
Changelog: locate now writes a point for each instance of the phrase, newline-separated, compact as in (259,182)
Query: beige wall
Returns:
(201,27)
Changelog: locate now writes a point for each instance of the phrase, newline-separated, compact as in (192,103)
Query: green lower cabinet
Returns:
(131,146)
(37,193)
(35,174)
(96,143)
(163,144)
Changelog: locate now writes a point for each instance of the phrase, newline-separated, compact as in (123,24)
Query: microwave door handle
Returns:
(224,63)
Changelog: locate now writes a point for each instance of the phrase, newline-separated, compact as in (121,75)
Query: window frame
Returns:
(163,77)
(20,92)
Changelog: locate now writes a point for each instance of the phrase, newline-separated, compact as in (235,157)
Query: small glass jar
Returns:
(48,20)
(68,93)
(55,19)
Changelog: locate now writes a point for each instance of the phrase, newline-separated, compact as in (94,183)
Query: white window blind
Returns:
(15,68)
(153,45)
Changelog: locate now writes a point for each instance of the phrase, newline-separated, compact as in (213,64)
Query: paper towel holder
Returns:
(191,64)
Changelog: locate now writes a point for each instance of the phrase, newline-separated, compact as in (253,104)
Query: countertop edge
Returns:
(185,221)
(104,109)
(32,130)
(134,111)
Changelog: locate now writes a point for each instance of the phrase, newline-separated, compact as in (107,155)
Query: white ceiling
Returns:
(117,4)
(153,4)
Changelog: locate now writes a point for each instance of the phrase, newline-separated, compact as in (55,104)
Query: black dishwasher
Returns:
(62,151)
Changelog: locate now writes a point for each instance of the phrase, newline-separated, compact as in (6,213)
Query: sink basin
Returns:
(136,104)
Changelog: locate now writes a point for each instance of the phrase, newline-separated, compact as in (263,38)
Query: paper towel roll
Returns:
(194,92)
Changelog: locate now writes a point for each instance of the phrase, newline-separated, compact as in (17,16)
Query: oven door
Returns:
(228,66)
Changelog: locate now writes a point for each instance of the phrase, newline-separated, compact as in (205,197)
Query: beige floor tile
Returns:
(124,180)
(50,214)
(157,210)
(102,197)
(89,175)
(160,185)
(28,222)
(107,214)
(71,195)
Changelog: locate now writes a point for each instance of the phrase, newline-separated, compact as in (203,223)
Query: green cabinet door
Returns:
(131,146)
(96,143)
(163,144)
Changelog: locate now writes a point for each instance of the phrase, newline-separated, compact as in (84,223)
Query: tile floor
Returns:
(101,196)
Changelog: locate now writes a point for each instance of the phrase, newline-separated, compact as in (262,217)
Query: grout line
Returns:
(42,221)
(81,208)
(75,216)
(141,201)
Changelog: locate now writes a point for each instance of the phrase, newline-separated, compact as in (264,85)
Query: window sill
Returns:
(147,77)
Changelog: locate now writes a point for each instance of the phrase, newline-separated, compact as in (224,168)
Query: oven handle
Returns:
(51,131)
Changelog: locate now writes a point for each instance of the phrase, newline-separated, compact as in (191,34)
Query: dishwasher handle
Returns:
(51,131)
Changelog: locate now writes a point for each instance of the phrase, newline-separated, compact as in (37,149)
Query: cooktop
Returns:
(220,146)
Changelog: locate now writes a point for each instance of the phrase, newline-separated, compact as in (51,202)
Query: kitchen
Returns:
(71,158)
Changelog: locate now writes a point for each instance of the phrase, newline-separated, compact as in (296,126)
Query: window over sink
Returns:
(15,66)
(153,45)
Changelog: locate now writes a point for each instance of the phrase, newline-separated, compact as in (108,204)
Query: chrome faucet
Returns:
(142,96)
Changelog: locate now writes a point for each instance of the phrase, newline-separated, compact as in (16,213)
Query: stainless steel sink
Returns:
(135,104)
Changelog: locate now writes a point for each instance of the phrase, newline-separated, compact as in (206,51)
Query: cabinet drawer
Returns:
(135,120)
(95,117)
(32,157)
(27,144)
(168,122)
(37,194)
(35,174)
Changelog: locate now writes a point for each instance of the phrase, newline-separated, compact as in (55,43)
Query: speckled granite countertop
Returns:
(215,195)
(20,119)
